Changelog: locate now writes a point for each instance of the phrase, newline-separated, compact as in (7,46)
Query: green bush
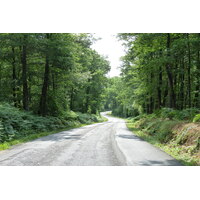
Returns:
(15,123)
(86,118)
(164,132)
(196,118)
(2,132)
(167,113)
(69,115)
(153,126)
(186,114)
(158,128)
(134,119)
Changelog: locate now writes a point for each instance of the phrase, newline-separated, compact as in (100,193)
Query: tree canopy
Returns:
(48,73)
(159,70)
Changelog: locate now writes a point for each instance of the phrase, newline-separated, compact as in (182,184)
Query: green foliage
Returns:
(167,113)
(15,123)
(134,119)
(63,72)
(2,132)
(118,99)
(69,115)
(54,75)
(160,70)
(164,131)
(186,114)
(86,118)
(196,118)
(159,128)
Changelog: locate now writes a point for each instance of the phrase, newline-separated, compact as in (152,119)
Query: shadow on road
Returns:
(132,137)
(160,163)
(60,137)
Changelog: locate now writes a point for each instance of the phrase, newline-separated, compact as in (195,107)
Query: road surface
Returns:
(104,144)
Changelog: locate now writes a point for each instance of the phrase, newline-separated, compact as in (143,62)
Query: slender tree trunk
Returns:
(29,92)
(147,103)
(165,95)
(43,98)
(182,81)
(159,88)
(72,99)
(169,74)
(189,68)
(14,77)
(53,83)
(197,94)
(151,99)
(24,73)
(151,102)
(87,98)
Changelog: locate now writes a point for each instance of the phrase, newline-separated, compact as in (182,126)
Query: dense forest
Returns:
(53,81)
(158,71)
(46,73)
(159,91)
(47,76)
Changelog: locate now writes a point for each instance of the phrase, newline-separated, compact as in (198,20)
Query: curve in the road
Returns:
(104,144)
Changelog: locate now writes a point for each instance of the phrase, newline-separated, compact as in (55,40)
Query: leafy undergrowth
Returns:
(180,139)
(17,126)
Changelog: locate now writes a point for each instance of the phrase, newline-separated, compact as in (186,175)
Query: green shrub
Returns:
(142,123)
(134,119)
(167,113)
(2,132)
(196,118)
(186,114)
(158,128)
(152,126)
(69,115)
(86,118)
(15,123)
(164,132)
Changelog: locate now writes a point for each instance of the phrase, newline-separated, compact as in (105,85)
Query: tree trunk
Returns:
(53,83)
(72,99)
(24,73)
(87,98)
(14,77)
(165,95)
(170,75)
(151,103)
(151,99)
(182,81)
(197,94)
(189,77)
(159,88)
(43,98)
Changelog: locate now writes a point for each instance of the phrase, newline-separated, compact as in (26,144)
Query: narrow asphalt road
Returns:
(104,144)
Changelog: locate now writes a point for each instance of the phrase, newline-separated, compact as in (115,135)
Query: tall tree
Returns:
(14,76)
(189,69)
(169,73)
(24,72)
(43,98)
